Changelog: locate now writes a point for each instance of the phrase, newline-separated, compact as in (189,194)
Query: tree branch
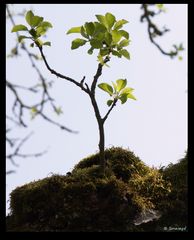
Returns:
(90,92)
(45,92)
(97,75)
(153,30)
(110,109)
(56,123)
(17,153)
(79,84)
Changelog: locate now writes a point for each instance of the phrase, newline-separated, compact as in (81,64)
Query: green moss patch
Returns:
(84,201)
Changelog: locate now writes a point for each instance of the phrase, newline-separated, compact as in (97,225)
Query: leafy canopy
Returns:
(38,28)
(105,35)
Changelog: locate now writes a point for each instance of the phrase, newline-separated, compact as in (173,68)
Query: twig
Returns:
(154,31)
(18,103)
(79,84)
(97,75)
(110,109)
(17,153)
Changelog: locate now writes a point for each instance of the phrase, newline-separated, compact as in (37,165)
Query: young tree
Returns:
(107,36)
(42,89)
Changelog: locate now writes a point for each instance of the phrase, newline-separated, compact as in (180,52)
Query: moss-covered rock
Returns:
(85,201)
(175,205)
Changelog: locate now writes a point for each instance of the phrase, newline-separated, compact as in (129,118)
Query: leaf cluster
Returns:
(119,91)
(38,28)
(106,34)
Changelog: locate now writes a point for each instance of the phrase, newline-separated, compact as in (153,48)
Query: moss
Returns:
(85,201)
(175,205)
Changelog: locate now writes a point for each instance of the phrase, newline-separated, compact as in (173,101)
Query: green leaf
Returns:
(115,86)
(110,20)
(43,27)
(106,87)
(130,95)
(100,59)
(108,38)
(58,110)
(124,34)
(74,30)
(104,52)
(47,43)
(83,32)
(77,43)
(95,43)
(127,90)
(116,36)
(124,43)
(119,24)
(36,20)
(19,27)
(125,53)
(123,98)
(99,28)
(115,53)
(102,20)
(180,58)
(160,6)
(100,36)
(90,28)
(33,112)
(41,31)
(32,45)
(46,25)
(90,51)
(21,37)
(29,18)
(121,83)
(109,102)
(33,33)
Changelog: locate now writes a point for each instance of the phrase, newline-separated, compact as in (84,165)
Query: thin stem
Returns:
(79,84)
(153,30)
(98,74)
(110,109)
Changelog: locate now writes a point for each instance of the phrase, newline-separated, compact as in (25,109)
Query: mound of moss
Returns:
(84,201)
(175,205)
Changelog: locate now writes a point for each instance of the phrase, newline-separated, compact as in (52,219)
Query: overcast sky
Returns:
(154,127)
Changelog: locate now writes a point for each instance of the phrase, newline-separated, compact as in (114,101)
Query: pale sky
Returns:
(154,127)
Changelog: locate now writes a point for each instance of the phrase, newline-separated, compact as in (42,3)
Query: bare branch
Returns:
(32,89)
(79,84)
(46,98)
(98,74)
(154,31)
(56,123)
(110,109)
(13,120)
(17,151)
(96,77)
(10,172)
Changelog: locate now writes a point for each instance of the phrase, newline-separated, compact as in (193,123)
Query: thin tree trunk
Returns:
(101,132)
(101,145)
